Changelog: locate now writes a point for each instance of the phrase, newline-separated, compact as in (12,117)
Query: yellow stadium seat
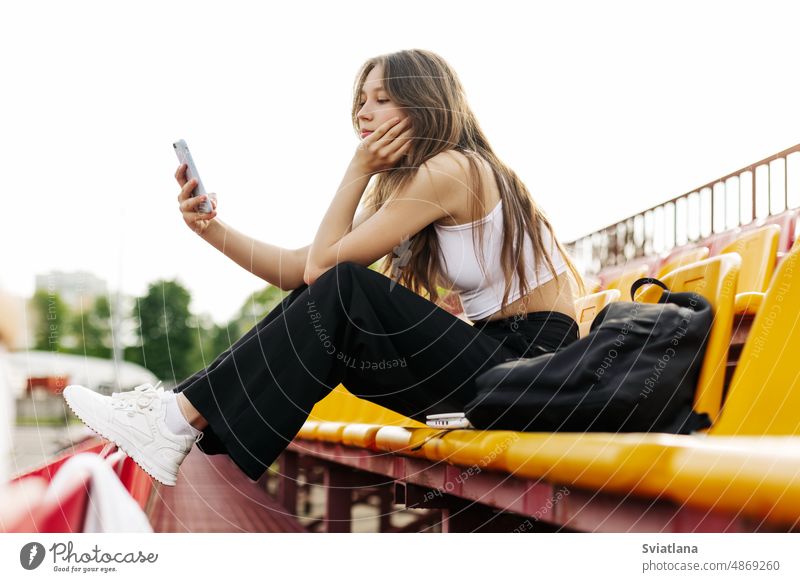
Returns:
(679,260)
(589,306)
(716,280)
(758,249)
(757,477)
(782,255)
(764,395)
(360,435)
(330,417)
(623,282)
(592,284)
(749,461)
(788,222)
(718,241)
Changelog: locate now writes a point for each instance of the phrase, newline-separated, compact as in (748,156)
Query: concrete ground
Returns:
(34,445)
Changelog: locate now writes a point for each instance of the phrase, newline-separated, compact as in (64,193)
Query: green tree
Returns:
(166,341)
(211,340)
(52,324)
(257,305)
(93,330)
(220,339)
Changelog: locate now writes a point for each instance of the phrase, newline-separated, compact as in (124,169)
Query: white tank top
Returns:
(481,295)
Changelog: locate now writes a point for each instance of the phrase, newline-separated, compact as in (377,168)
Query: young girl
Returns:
(443,211)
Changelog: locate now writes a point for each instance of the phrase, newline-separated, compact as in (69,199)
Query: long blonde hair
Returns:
(425,86)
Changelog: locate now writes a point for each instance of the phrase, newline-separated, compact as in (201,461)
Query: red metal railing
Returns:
(25,507)
(762,189)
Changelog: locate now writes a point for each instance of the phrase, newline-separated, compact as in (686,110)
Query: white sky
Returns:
(603,109)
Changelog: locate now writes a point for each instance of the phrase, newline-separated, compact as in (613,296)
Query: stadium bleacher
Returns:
(739,475)
(726,472)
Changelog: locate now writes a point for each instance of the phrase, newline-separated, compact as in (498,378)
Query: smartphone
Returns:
(448,420)
(185,157)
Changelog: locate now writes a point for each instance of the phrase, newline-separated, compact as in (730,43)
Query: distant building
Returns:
(78,289)
(95,373)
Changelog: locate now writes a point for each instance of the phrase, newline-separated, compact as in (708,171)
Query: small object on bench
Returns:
(448,420)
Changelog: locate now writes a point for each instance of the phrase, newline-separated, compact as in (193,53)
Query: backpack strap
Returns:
(647,281)
(433,436)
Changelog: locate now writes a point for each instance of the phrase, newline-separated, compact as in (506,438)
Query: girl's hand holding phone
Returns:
(188,205)
(384,148)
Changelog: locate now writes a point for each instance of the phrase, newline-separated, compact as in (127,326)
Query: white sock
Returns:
(176,421)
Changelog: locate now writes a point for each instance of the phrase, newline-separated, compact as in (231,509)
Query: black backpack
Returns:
(635,371)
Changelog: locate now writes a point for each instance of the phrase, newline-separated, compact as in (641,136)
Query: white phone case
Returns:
(185,157)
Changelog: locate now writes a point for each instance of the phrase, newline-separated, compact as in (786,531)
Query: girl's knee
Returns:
(339,272)
(351,266)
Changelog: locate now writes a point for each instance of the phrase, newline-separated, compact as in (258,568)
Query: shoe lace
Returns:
(142,395)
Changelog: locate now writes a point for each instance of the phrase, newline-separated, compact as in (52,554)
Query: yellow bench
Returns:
(747,463)
(681,259)
(759,251)
(626,279)
(589,306)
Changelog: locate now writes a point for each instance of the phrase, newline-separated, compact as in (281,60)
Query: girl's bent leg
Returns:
(211,443)
(354,326)
(275,312)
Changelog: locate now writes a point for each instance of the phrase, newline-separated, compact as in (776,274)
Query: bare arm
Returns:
(431,194)
(340,213)
(378,152)
(276,265)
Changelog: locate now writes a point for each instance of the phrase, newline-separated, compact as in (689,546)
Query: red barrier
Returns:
(26,507)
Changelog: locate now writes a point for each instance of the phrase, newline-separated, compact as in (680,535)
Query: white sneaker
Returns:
(134,420)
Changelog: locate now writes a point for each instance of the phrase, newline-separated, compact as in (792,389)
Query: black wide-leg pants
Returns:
(357,327)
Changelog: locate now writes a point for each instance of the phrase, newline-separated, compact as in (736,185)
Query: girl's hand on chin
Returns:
(383,148)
